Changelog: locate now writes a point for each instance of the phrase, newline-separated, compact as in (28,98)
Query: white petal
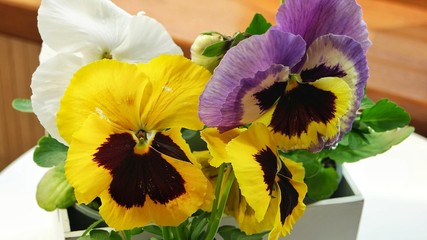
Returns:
(145,40)
(46,53)
(78,24)
(48,85)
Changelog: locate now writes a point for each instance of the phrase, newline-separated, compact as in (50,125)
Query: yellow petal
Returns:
(284,224)
(170,214)
(113,90)
(83,173)
(177,85)
(217,142)
(254,158)
(313,130)
(247,221)
(211,173)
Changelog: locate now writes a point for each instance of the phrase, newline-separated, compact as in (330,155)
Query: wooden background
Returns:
(397,58)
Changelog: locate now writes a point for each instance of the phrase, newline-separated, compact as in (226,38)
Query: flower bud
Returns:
(203,41)
(54,191)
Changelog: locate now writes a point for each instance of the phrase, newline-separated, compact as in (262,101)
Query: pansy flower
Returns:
(272,189)
(304,78)
(78,32)
(122,122)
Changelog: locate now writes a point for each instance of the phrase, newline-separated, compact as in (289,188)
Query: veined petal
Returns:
(314,18)
(74,25)
(177,84)
(146,39)
(272,189)
(249,101)
(48,85)
(135,189)
(291,191)
(171,143)
(255,162)
(46,53)
(251,56)
(308,116)
(80,168)
(174,190)
(116,91)
(211,173)
(245,217)
(338,56)
(217,143)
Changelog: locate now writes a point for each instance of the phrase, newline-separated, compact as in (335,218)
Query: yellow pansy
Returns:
(123,124)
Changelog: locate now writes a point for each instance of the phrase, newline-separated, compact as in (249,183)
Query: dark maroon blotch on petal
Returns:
(299,107)
(135,176)
(268,161)
(164,144)
(321,71)
(289,194)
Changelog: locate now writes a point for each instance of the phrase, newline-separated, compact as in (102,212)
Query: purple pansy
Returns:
(304,78)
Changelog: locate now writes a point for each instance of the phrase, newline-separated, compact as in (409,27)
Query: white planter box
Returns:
(336,218)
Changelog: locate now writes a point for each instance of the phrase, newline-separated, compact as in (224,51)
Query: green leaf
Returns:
(115,236)
(49,152)
(216,49)
(354,139)
(99,234)
(54,191)
(194,140)
(22,105)
(376,143)
(188,133)
(232,233)
(309,160)
(154,229)
(136,231)
(258,25)
(384,116)
(366,103)
(238,37)
(323,184)
(86,237)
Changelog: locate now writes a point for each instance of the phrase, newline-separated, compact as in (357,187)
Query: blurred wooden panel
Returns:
(186,19)
(19,18)
(398,56)
(18,131)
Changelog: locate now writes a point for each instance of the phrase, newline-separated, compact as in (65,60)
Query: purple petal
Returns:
(248,101)
(253,55)
(314,18)
(338,56)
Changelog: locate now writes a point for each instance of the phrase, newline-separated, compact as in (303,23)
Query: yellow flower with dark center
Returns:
(272,189)
(123,124)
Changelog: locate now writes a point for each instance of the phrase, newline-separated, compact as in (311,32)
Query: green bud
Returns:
(54,191)
(201,44)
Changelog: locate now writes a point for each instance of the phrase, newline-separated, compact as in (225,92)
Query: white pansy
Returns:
(78,32)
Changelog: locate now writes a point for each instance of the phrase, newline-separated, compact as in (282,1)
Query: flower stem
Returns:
(126,235)
(166,233)
(216,215)
(217,191)
(92,226)
(176,233)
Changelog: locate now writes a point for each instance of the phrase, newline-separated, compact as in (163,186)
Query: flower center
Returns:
(107,55)
(141,135)
(143,139)
(293,81)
